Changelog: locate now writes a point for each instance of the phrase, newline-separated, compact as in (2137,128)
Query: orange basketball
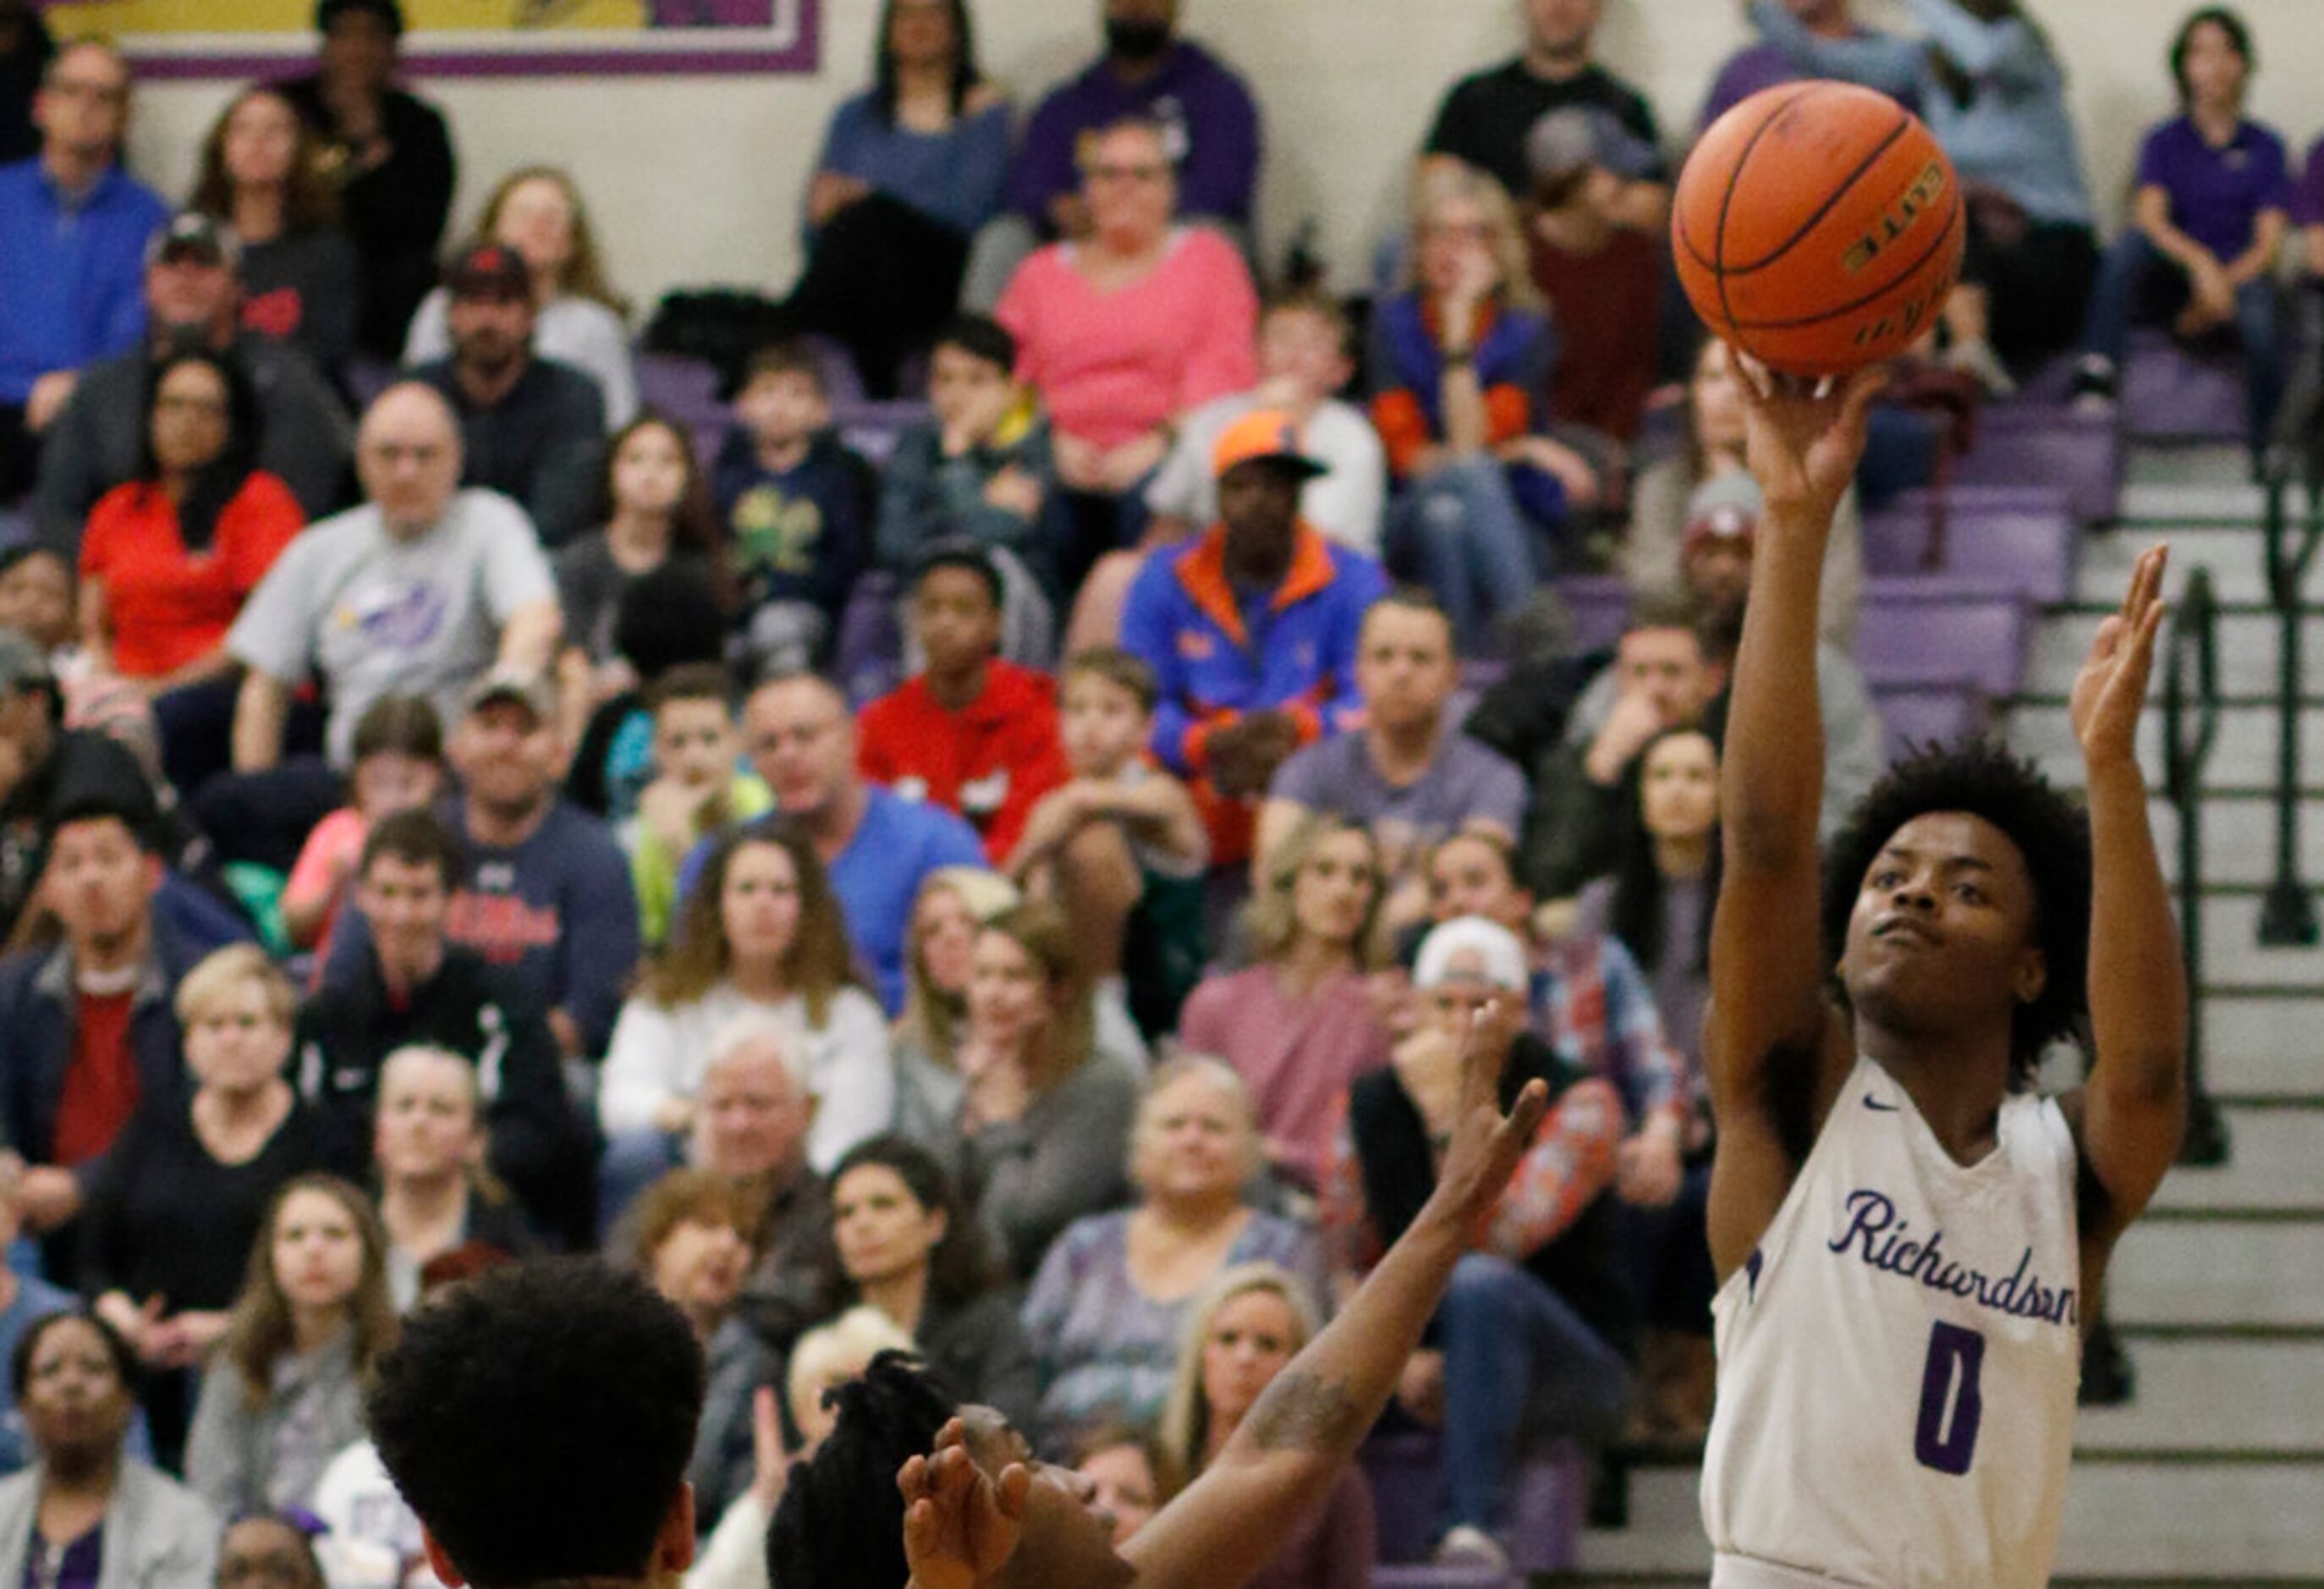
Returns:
(1818,227)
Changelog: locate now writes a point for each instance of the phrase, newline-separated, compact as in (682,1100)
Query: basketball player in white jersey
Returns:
(1907,1239)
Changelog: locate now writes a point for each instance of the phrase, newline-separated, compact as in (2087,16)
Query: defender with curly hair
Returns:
(1903,1231)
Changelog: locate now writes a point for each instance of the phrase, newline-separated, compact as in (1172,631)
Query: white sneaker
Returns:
(1466,1545)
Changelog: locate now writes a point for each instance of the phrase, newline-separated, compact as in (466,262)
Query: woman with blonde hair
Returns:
(1241,1333)
(1299,1025)
(1043,1121)
(537,211)
(1110,1303)
(284,1394)
(165,1236)
(435,1192)
(760,935)
(1460,364)
(939,949)
(261,178)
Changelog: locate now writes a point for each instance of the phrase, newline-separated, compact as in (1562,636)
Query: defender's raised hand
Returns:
(2111,688)
(1485,1144)
(960,1526)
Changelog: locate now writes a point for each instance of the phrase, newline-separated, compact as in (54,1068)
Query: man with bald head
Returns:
(877,846)
(421,590)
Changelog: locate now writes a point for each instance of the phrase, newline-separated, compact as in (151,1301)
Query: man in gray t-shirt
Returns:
(1408,774)
(417,592)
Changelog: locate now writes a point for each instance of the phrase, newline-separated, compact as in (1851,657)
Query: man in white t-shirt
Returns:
(1304,358)
(419,591)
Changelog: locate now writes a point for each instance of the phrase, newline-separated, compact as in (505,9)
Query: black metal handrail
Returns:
(2287,916)
(2190,725)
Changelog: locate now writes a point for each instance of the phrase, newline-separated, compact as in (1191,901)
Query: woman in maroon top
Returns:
(168,559)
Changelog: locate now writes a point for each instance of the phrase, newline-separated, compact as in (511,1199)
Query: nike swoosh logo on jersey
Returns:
(1872,1102)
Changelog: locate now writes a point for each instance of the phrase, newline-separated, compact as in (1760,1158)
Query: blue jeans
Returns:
(1464,535)
(633,1160)
(2136,283)
(1516,1356)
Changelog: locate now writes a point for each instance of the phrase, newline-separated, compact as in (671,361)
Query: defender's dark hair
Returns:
(539,1420)
(1979,778)
(841,1524)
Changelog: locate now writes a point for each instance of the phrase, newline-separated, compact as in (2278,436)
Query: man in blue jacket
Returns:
(73,230)
(1251,630)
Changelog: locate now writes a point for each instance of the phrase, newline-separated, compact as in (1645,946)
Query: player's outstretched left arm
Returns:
(2134,1108)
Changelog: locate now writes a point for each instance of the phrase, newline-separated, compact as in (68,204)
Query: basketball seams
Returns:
(1840,191)
(1685,235)
(1953,223)
(1718,266)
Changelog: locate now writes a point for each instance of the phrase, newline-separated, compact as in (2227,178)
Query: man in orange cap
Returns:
(1252,630)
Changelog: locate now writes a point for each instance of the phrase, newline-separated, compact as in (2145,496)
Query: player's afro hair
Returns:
(841,1523)
(1980,778)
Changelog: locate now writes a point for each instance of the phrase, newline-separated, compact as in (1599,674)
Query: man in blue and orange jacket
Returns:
(1252,630)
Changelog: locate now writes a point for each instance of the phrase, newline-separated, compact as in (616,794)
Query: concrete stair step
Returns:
(2186,1273)
(2248,641)
(2274,1169)
(2243,753)
(2263,1044)
(2242,1523)
(2221,1397)
(2239,836)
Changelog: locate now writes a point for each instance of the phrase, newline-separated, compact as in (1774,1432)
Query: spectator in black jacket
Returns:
(392,156)
(416,986)
(193,299)
(87,1029)
(531,429)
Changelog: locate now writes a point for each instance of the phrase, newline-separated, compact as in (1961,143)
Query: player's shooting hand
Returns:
(2111,688)
(960,1525)
(1805,437)
(1485,1144)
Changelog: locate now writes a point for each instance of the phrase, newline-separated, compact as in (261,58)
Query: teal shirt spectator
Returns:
(953,177)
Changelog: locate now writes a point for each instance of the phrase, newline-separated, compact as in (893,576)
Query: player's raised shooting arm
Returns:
(2133,1110)
(1769,1015)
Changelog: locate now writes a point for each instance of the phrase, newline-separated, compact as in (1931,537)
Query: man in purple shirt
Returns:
(1210,130)
(1767,64)
(2212,206)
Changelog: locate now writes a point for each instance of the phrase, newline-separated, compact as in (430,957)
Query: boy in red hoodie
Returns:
(970,731)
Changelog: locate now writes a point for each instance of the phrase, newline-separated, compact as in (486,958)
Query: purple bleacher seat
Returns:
(868,659)
(2173,393)
(1546,1513)
(1424,1576)
(1939,714)
(1600,605)
(2019,537)
(1936,631)
(2031,444)
(685,389)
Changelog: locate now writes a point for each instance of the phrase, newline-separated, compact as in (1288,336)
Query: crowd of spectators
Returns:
(442,819)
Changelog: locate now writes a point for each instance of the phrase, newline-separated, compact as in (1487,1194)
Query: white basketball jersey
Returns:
(1898,1359)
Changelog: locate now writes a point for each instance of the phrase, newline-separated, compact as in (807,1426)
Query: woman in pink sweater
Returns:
(1124,330)
(1300,1025)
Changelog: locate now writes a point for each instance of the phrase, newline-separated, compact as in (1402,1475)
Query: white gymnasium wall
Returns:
(697,180)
